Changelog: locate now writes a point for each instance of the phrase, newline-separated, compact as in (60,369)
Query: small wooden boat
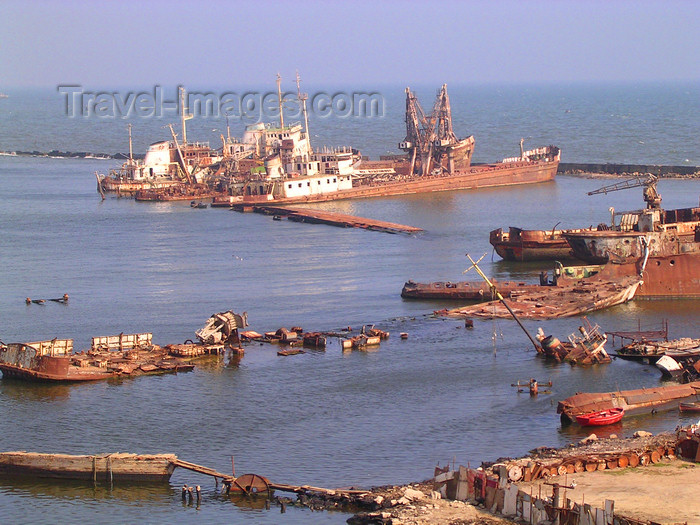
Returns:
(692,407)
(600,418)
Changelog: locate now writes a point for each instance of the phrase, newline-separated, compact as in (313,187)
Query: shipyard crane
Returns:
(430,139)
(651,195)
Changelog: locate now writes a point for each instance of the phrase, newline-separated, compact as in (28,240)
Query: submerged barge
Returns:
(640,401)
(105,467)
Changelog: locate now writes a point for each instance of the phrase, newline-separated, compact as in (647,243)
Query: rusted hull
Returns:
(664,276)
(552,251)
(639,401)
(465,290)
(530,245)
(33,362)
(109,467)
(129,187)
(16,372)
(483,176)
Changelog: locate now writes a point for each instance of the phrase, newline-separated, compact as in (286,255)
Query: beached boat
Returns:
(549,302)
(639,401)
(600,418)
(110,356)
(104,467)
(690,407)
(531,245)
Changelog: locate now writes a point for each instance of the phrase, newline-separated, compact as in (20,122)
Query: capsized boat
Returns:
(600,418)
(587,348)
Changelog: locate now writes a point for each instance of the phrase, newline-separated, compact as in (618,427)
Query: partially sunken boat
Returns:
(640,401)
(112,356)
(104,467)
(577,298)
(479,291)
(585,348)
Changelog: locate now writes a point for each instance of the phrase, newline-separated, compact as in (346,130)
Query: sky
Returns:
(217,43)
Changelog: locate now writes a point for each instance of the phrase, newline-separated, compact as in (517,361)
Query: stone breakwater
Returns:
(629,170)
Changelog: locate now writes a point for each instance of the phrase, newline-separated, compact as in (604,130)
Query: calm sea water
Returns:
(323,418)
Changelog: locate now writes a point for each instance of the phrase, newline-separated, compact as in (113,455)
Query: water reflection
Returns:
(24,391)
(78,490)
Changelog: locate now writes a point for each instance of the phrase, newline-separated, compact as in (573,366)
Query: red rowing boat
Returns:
(602,417)
(689,407)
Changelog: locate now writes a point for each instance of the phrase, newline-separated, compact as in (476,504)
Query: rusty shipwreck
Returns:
(124,355)
(662,246)
(276,163)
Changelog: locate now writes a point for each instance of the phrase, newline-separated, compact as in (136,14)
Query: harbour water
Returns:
(322,418)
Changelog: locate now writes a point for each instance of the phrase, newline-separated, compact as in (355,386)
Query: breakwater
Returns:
(572,168)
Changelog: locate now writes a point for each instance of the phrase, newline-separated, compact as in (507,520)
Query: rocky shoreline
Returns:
(421,504)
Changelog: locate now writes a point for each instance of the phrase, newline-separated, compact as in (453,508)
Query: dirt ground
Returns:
(664,492)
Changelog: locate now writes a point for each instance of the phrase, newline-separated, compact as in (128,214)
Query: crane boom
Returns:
(651,196)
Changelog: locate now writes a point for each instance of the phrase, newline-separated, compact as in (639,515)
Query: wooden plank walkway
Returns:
(326,217)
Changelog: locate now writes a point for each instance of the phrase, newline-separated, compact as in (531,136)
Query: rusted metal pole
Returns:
(503,301)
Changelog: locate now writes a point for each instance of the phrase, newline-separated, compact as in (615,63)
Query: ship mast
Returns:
(131,150)
(279,98)
(302,98)
(185,115)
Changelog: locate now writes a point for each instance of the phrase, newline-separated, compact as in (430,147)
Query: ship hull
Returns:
(664,276)
(109,467)
(639,401)
(482,176)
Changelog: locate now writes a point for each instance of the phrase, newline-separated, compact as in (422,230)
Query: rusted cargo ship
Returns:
(290,171)
(663,246)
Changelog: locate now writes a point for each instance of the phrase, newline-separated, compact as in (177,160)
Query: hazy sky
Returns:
(210,43)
